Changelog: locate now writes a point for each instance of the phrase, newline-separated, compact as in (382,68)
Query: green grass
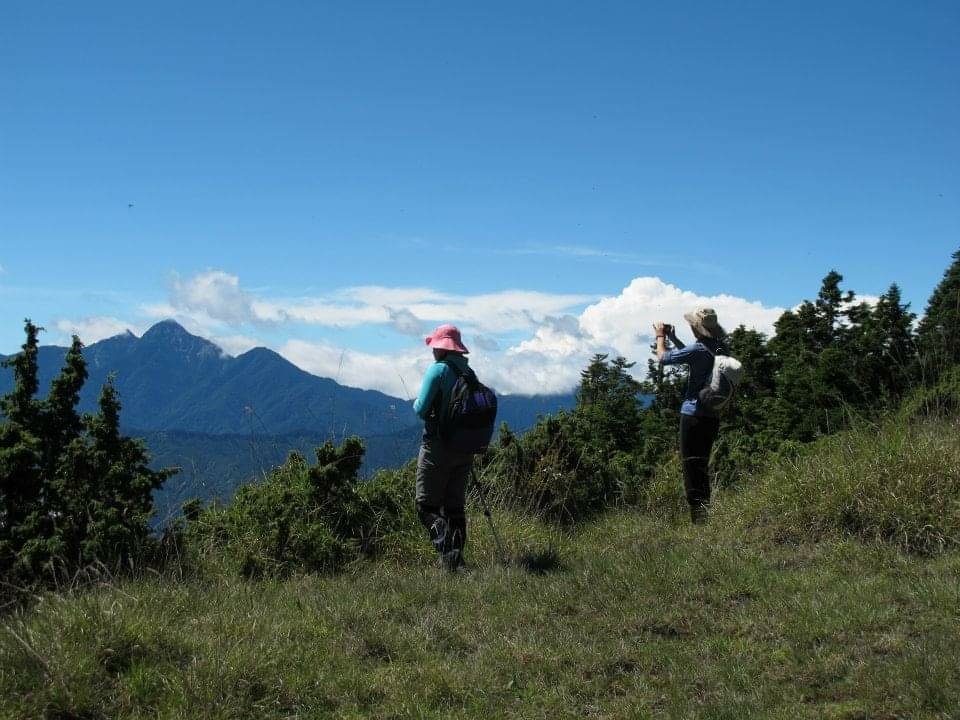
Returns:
(897,484)
(829,588)
(648,619)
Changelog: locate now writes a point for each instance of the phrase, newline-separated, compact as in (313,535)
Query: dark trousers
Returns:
(442,477)
(697,435)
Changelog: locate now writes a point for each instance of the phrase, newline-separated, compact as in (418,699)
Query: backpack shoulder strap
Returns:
(713,356)
(469,374)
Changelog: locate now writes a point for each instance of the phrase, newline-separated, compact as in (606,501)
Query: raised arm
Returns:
(672,334)
(664,331)
(661,330)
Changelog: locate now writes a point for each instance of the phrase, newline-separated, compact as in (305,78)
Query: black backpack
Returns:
(466,424)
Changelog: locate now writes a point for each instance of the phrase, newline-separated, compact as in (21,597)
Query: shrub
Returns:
(556,470)
(308,518)
(572,465)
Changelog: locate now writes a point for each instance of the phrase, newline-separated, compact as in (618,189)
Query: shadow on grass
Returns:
(541,562)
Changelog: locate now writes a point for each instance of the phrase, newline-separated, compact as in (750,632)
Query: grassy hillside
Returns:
(796,601)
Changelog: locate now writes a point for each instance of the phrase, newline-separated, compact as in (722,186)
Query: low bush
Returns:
(897,483)
(556,470)
(308,518)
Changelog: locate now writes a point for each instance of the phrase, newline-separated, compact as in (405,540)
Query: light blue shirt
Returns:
(438,381)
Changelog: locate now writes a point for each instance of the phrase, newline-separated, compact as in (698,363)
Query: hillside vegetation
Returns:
(825,585)
(628,616)
(896,484)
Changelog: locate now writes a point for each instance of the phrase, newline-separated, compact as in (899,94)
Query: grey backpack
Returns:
(723,382)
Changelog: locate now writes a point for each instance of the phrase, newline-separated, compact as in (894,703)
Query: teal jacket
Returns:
(435,391)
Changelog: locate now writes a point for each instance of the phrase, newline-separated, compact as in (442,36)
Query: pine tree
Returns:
(886,349)
(607,400)
(592,380)
(59,421)
(20,406)
(21,513)
(830,304)
(817,381)
(106,487)
(939,332)
(73,489)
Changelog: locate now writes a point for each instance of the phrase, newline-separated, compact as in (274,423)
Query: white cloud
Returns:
(551,360)
(405,322)
(508,311)
(505,311)
(215,294)
(158,310)
(393,296)
(870,300)
(94,329)
(235,344)
(216,298)
(625,321)
(485,342)
(396,374)
(320,312)
(400,373)
(551,341)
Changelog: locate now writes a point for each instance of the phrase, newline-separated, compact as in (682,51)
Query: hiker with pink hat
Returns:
(442,471)
(699,420)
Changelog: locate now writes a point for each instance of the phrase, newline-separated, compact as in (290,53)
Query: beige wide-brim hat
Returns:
(704,321)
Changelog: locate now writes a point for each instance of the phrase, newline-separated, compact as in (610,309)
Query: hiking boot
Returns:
(439,535)
(453,561)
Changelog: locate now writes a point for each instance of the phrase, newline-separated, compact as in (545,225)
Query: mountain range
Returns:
(225,420)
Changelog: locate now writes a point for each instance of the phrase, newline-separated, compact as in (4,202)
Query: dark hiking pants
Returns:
(442,477)
(697,435)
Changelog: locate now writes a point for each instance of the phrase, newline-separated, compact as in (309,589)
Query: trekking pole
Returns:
(486,511)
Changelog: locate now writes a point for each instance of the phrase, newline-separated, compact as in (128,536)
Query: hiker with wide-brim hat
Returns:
(699,423)
(442,472)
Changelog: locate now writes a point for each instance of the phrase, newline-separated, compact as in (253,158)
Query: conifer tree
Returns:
(59,421)
(751,409)
(592,379)
(20,406)
(72,490)
(607,397)
(830,304)
(939,331)
(886,351)
(119,485)
(21,514)
(817,380)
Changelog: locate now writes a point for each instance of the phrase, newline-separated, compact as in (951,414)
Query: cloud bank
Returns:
(559,346)
(522,342)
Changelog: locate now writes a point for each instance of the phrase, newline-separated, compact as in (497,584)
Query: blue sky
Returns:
(332,179)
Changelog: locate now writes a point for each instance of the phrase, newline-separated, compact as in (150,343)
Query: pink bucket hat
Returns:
(447,337)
